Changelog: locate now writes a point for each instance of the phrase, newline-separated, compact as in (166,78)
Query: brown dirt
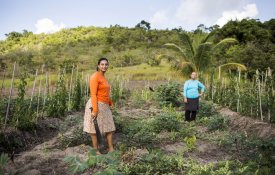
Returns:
(47,157)
(17,141)
(250,125)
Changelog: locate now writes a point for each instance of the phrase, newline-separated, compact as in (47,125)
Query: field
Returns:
(151,138)
(45,86)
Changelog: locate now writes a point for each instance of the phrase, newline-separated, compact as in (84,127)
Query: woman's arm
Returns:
(185,92)
(202,87)
(93,93)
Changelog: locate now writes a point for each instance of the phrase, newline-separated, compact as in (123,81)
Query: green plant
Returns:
(206,109)
(23,116)
(3,104)
(4,158)
(190,142)
(57,104)
(221,168)
(71,132)
(119,93)
(165,122)
(137,99)
(197,50)
(217,122)
(188,130)
(154,163)
(106,163)
(168,93)
(77,96)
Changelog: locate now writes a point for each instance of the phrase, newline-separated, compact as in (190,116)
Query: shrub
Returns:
(77,97)
(206,109)
(165,122)
(154,163)
(57,104)
(217,122)
(23,116)
(168,93)
(107,163)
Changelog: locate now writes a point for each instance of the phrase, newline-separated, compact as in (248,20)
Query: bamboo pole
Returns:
(82,88)
(33,88)
(11,89)
(259,94)
(45,90)
(39,91)
(238,93)
(2,86)
(70,88)
(239,71)
(269,91)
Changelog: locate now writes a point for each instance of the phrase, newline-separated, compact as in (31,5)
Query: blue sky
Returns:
(52,15)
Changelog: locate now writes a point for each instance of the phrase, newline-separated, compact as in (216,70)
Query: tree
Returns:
(144,25)
(246,30)
(15,36)
(196,52)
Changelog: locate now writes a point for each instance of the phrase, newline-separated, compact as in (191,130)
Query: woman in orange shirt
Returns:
(100,102)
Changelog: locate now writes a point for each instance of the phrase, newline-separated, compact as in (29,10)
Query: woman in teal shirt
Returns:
(191,96)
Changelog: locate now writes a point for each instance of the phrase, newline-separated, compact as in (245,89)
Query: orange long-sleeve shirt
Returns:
(99,90)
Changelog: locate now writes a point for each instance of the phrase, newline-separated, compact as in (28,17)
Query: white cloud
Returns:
(250,10)
(194,12)
(46,25)
(159,19)
(190,13)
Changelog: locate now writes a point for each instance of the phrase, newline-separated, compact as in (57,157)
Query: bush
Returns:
(165,122)
(154,163)
(23,116)
(217,122)
(119,93)
(57,104)
(77,96)
(206,109)
(168,94)
(139,133)
(105,163)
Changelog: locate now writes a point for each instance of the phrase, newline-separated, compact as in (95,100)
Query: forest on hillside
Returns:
(254,46)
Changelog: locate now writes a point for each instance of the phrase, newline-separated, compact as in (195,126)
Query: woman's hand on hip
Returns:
(94,115)
(185,100)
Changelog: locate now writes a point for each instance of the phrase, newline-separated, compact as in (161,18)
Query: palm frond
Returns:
(241,67)
(202,55)
(185,63)
(161,56)
(225,42)
(172,45)
(207,37)
(187,41)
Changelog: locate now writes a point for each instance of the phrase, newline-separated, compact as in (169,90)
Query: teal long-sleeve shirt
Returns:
(191,88)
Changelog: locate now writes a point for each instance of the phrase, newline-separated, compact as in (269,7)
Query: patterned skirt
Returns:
(104,118)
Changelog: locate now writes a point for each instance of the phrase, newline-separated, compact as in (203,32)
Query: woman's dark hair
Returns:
(101,59)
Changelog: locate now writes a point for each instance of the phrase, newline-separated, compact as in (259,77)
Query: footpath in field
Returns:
(153,140)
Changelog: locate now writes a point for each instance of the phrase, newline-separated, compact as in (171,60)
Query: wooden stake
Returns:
(39,90)
(33,88)
(11,89)
(70,88)
(2,86)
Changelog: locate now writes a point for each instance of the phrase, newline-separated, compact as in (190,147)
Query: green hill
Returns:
(132,46)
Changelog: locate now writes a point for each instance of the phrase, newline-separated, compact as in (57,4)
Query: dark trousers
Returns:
(190,115)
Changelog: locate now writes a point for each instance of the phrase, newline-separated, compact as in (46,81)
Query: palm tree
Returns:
(197,51)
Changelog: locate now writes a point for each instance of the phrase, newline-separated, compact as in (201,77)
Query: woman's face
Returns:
(193,75)
(103,66)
